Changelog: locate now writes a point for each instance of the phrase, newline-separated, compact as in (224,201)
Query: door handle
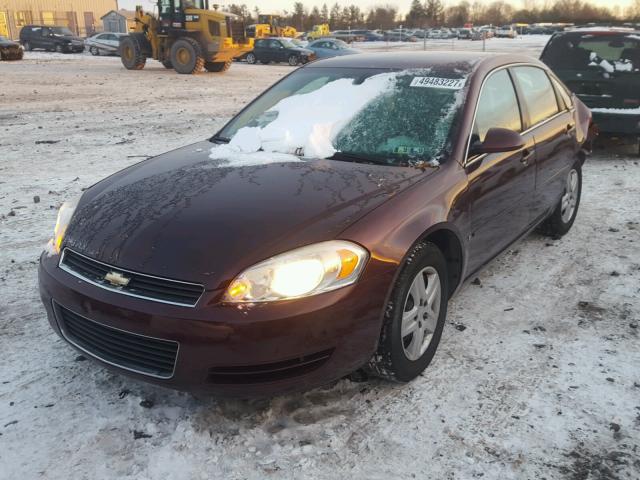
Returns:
(526,156)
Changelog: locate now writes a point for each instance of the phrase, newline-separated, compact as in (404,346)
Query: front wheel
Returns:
(414,317)
(27,46)
(563,216)
(251,58)
(94,51)
(186,56)
(293,60)
(59,49)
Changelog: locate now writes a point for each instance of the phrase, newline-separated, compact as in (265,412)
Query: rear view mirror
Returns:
(498,140)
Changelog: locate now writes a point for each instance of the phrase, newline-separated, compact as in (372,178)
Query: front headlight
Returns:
(299,273)
(64,217)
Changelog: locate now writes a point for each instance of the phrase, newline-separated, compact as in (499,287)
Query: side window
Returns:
(537,92)
(497,106)
(259,44)
(562,92)
(275,44)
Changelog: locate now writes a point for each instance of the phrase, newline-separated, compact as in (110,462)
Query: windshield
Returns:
(389,117)
(288,43)
(61,31)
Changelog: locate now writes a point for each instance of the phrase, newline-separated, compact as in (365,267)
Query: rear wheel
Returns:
(414,317)
(186,56)
(562,218)
(293,60)
(59,49)
(251,58)
(27,46)
(131,53)
(94,51)
(218,66)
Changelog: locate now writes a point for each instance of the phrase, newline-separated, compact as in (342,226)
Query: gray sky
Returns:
(276,6)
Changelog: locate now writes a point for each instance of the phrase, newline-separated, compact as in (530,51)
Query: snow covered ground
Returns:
(536,377)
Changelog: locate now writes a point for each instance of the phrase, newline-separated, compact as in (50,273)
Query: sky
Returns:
(276,6)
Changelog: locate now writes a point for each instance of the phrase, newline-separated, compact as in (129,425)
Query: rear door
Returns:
(260,50)
(552,124)
(500,185)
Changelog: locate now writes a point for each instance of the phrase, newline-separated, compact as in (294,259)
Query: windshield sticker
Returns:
(437,82)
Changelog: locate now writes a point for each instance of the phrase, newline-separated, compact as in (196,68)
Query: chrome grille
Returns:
(139,285)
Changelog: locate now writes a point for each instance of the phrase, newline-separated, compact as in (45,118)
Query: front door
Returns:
(88,23)
(500,185)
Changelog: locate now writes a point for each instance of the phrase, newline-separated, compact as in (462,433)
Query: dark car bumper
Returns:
(617,123)
(249,351)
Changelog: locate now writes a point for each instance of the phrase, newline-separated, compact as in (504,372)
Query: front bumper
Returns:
(617,123)
(259,349)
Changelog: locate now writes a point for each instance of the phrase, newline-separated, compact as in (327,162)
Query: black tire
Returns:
(559,222)
(59,49)
(391,360)
(167,64)
(250,58)
(186,56)
(27,46)
(94,51)
(131,54)
(293,60)
(218,66)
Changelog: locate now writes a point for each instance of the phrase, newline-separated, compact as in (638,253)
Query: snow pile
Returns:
(624,111)
(305,124)
(622,65)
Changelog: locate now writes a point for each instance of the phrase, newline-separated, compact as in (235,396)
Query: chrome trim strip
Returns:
(64,335)
(123,292)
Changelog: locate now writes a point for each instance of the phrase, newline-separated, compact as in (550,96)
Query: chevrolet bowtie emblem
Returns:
(117,279)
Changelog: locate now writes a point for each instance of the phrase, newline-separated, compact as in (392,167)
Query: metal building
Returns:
(81,16)
(118,21)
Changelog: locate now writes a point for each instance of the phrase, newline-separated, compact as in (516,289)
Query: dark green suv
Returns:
(602,67)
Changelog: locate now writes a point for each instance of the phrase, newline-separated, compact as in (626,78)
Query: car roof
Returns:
(405,60)
(600,31)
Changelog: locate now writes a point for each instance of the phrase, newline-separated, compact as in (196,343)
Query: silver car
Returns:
(104,43)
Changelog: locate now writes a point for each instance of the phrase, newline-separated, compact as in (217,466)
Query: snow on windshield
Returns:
(306,124)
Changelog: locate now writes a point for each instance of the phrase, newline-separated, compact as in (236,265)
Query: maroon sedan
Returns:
(323,229)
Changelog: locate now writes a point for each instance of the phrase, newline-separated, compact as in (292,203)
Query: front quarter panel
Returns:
(432,204)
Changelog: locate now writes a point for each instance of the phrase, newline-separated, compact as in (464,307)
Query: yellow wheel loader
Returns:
(269,26)
(185,36)
(319,31)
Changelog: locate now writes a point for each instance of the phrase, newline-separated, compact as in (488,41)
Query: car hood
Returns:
(183,216)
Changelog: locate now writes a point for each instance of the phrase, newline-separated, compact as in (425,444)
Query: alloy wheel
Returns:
(420,313)
(570,197)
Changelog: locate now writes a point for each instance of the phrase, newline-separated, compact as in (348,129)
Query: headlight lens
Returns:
(299,273)
(64,217)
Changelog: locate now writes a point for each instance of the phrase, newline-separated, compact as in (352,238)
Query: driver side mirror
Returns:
(498,140)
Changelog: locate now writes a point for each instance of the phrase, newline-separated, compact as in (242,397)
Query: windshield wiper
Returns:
(352,157)
(218,139)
